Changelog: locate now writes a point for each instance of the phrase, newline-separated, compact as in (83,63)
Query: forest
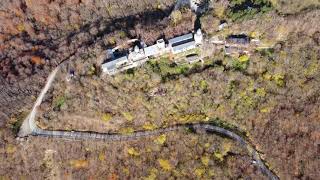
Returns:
(271,96)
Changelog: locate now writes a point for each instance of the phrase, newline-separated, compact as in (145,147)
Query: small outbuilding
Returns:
(238,40)
(193,58)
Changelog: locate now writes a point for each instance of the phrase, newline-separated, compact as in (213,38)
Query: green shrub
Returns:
(16,126)
(112,41)
(122,34)
(203,85)
(246,9)
(59,101)
(261,92)
(166,68)
(243,58)
(279,79)
(128,116)
(232,85)
(268,53)
(240,66)
(176,17)
(16,122)
(106,117)
(92,70)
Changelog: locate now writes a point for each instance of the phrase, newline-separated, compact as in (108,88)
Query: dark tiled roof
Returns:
(238,39)
(176,40)
(184,46)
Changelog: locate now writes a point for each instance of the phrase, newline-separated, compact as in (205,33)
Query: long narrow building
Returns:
(137,56)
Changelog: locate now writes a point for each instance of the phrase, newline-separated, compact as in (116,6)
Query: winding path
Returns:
(29,127)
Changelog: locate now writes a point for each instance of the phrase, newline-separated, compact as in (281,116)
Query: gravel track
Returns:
(140,134)
(29,127)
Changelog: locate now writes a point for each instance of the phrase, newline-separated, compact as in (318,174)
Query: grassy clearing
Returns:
(240,10)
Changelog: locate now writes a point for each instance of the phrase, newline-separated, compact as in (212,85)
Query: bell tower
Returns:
(198,37)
